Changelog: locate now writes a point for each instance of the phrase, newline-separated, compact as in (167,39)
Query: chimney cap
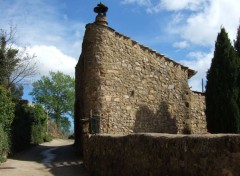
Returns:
(101,9)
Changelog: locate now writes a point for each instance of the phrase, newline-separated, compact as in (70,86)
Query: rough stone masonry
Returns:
(161,154)
(135,90)
(132,88)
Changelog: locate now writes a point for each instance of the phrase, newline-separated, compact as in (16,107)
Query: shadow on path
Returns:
(66,163)
(56,158)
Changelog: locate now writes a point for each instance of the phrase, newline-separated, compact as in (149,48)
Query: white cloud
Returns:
(50,58)
(154,6)
(181,45)
(197,21)
(138,2)
(176,5)
(47,31)
(40,22)
(199,62)
(202,26)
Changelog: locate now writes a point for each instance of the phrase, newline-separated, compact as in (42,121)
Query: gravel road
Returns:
(55,158)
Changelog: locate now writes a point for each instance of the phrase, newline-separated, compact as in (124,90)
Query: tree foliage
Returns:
(56,93)
(6,109)
(39,123)
(237,42)
(222,89)
(21,128)
(4,144)
(6,118)
(29,126)
(15,64)
(20,125)
(237,48)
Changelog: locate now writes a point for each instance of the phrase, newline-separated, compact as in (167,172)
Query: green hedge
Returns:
(6,109)
(6,118)
(22,124)
(4,144)
(21,128)
(29,126)
(39,125)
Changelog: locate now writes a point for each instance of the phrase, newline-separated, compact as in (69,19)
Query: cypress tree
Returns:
(237,42)
(222,109)
(237,48)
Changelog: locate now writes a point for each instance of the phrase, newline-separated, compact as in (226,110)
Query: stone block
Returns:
(108,98)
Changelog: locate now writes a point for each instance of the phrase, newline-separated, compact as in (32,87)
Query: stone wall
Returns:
(142,92)
(131,87)
(163,154)
(198,122)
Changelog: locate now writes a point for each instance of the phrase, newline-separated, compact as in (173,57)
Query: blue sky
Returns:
(184,30)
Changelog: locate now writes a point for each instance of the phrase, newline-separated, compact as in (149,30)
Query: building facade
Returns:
(132,88)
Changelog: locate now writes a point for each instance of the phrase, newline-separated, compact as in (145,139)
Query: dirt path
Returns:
(56,158)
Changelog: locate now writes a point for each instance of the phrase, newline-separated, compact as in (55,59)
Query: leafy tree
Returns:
(15,65)
(65,125)
(16,92)
(222,90)
(8,61)
(56,94)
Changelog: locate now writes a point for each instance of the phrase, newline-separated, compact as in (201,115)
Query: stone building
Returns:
(132,88)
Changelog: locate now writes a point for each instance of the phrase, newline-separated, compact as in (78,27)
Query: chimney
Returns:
(101,11)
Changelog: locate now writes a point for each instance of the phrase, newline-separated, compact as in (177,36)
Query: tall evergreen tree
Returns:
(237,48)
(237,42)
(222,90)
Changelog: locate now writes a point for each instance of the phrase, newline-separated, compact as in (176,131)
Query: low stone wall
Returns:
(163,154)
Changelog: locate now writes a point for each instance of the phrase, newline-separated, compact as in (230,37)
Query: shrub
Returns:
(71,136)
(29,126)
(21,128)
(47,138)
(6,118)
(6,110)
(4,144)
(39,125)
